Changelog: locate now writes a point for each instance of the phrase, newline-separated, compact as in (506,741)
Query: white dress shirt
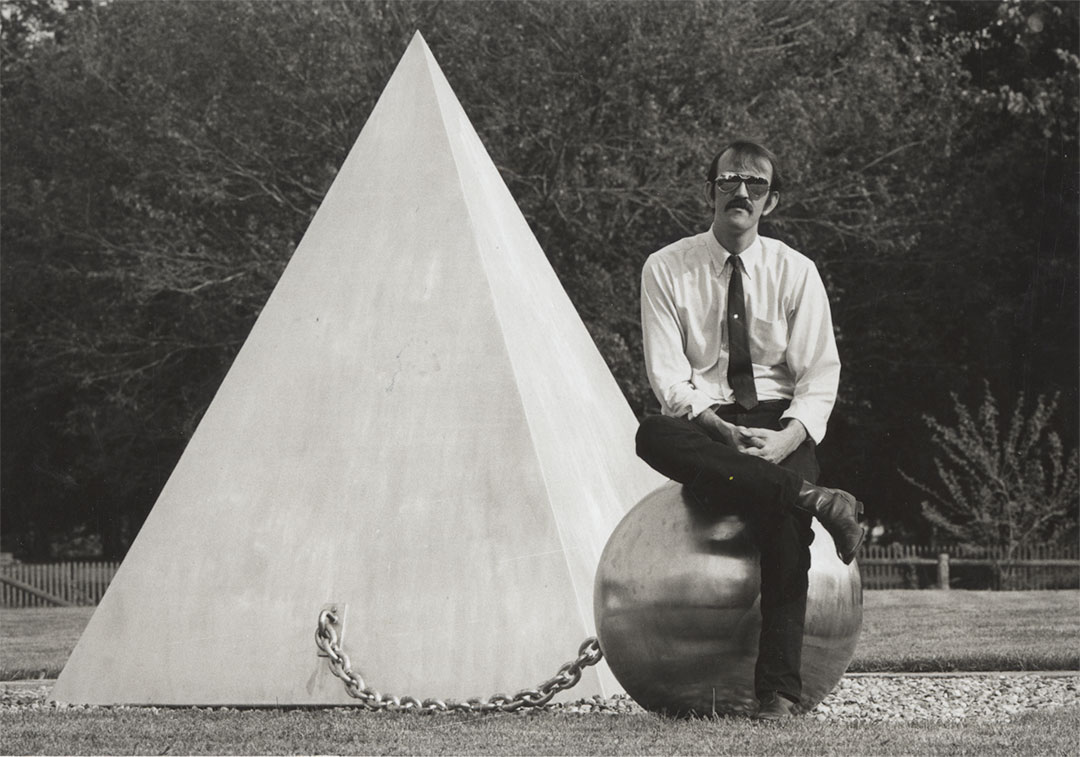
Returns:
(683,318)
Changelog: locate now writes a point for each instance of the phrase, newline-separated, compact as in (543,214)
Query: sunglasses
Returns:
(756,186)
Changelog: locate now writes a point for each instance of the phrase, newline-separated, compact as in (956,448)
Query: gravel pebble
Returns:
(862,698)
(950,698)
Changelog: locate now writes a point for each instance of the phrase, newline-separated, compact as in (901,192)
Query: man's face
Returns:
(738,212)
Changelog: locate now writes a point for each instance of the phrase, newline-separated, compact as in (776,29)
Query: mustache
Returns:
(740,202)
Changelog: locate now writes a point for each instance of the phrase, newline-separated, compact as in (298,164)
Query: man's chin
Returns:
(739,218)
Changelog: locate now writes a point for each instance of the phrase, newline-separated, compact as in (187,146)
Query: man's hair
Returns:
(746,151)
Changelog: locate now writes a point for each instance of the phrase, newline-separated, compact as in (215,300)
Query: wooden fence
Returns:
(54,584)
(906,567)
(892,567)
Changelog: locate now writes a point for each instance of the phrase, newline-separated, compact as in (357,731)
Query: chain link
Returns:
(568,675)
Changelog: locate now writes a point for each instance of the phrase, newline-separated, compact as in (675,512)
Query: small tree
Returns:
(997,492)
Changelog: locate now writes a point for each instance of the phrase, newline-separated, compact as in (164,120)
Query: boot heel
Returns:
(849,558)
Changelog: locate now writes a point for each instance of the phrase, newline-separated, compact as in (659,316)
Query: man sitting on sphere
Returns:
(740,352)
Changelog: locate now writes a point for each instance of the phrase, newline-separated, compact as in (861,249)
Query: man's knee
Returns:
(803,461)
(645,440)
(655,433)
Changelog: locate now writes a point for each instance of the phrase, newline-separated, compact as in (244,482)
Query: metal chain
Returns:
(569,674)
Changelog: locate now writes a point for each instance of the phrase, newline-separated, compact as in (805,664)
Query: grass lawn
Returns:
(903,631)
(913,631)
(35,642)
(147,731)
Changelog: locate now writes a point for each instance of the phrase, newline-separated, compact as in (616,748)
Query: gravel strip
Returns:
(860,698)
(946,698)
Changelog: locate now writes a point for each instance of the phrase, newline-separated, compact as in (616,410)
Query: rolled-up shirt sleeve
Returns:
(663,339)
(812,356)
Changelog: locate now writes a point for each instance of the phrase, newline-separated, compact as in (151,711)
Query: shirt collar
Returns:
(750,256)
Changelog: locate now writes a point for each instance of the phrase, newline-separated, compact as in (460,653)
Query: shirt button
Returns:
(735,316)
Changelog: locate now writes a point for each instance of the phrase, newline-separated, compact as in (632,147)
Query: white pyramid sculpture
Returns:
(418,426)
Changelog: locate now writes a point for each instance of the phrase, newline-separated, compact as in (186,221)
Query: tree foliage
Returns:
(1003,489)
(161,161)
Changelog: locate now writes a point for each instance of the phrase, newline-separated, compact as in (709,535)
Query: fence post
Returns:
(943,570)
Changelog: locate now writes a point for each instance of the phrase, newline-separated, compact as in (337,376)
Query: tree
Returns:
(1003,270)
(161,160)
(1002,489)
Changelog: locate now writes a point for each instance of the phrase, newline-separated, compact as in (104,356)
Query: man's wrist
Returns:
(714,425)
(795,430)
(707,418)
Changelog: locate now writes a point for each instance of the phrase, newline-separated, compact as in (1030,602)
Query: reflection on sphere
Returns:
(677,604)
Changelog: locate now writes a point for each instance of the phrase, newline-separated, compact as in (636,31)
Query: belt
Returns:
(764,405)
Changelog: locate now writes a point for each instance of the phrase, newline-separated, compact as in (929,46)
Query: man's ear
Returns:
(710,194)
(771,203)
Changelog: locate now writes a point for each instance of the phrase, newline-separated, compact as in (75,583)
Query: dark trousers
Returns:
(718,476)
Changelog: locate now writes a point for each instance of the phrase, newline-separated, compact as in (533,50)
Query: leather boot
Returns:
(775,706)
(839,512)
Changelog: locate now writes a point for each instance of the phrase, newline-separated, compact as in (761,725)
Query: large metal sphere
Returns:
(677,604)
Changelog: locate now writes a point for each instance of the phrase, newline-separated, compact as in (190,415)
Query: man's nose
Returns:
(740,190)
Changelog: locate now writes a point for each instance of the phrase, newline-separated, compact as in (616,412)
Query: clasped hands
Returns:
(765,443)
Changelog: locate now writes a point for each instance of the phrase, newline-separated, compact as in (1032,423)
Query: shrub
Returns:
(1001,490)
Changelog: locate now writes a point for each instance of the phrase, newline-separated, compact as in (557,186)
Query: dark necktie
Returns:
(740,372)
